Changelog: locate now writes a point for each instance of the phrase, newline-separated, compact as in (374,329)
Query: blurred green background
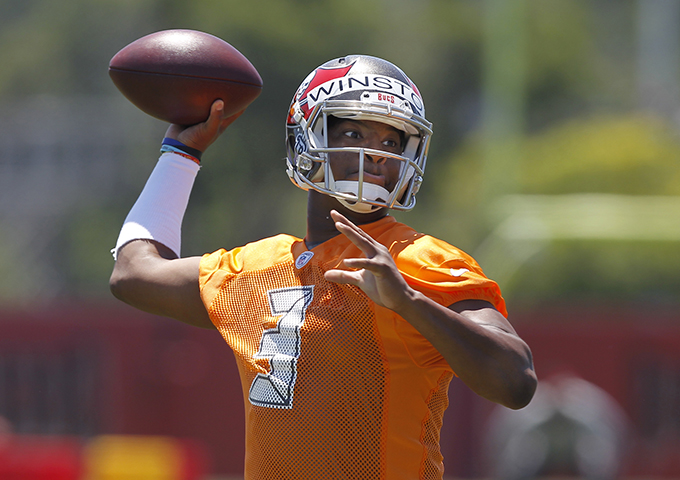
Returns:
(555,162)
(554,159)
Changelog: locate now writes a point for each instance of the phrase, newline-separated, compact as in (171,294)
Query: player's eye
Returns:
(352,134)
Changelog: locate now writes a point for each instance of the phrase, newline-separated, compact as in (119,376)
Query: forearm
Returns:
(158,212)
(477,341)
(479,345)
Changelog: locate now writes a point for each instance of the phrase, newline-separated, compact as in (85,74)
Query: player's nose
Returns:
(374,143)
(379,159)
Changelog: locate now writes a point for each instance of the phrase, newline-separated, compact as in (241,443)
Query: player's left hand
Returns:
(376,274)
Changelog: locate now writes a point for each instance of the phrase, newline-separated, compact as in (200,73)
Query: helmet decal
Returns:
(388,91)
(320,76)
(300,143)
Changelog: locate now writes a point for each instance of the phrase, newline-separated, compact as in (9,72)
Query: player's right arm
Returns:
(150,277)
(148,273)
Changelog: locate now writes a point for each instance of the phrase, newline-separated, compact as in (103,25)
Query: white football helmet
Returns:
(357,87)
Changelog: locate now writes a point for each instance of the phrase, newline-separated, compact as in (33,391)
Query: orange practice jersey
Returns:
(336,387)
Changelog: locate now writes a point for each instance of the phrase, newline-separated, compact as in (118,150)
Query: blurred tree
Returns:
(64,47)
(633,155)
(578,132)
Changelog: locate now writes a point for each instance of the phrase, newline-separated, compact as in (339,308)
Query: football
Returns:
(176,75)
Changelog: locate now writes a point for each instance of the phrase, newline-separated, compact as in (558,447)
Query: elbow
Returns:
(117,284)
(522,391)
(114,287)
(510,389)
(524,381)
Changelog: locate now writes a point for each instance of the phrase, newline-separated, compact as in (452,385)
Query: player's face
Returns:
(383,171)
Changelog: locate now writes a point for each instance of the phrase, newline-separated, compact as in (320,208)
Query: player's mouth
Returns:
(376,179)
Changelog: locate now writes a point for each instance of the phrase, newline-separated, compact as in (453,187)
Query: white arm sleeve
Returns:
(159,210)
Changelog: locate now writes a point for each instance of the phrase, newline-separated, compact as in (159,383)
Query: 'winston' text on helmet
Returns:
(357,87)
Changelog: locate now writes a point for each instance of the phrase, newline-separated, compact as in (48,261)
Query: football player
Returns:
(347,339)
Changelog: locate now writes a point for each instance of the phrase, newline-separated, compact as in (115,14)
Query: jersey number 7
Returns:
(281,346)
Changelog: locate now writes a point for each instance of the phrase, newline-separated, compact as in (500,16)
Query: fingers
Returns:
(376,259)
(175,131)
(213,122)
(202,135)
(343,276)
(357,236)
(229,120)
(339,218)
(376,274)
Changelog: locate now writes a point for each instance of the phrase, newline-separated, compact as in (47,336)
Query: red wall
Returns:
(151,376)
(113,369)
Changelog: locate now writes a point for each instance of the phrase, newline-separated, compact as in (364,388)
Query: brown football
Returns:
(176,75)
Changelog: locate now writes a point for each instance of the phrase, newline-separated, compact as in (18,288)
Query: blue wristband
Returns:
(180,146)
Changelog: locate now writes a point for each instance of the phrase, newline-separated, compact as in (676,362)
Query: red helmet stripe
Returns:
(324,75)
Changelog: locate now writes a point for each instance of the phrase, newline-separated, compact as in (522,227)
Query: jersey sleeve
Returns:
(446,274)
(217,267)
(214,269)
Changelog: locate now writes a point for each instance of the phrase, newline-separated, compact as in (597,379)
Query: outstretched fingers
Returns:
(357,236)
(376,273)
(345,277)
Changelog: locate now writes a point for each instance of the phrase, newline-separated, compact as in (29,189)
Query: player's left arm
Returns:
(477,341)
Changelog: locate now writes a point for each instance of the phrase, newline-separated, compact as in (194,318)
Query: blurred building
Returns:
(571,428)
(61,156)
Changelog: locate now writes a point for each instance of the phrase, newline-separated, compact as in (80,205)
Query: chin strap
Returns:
(371,192)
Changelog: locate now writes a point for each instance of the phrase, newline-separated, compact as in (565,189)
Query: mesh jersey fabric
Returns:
(336,387)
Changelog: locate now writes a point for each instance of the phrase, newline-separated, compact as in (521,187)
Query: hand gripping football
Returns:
(176,75)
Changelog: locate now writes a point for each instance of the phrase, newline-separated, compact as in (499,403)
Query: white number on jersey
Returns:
(281,345)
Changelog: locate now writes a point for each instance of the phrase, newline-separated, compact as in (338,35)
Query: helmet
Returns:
(357,87)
